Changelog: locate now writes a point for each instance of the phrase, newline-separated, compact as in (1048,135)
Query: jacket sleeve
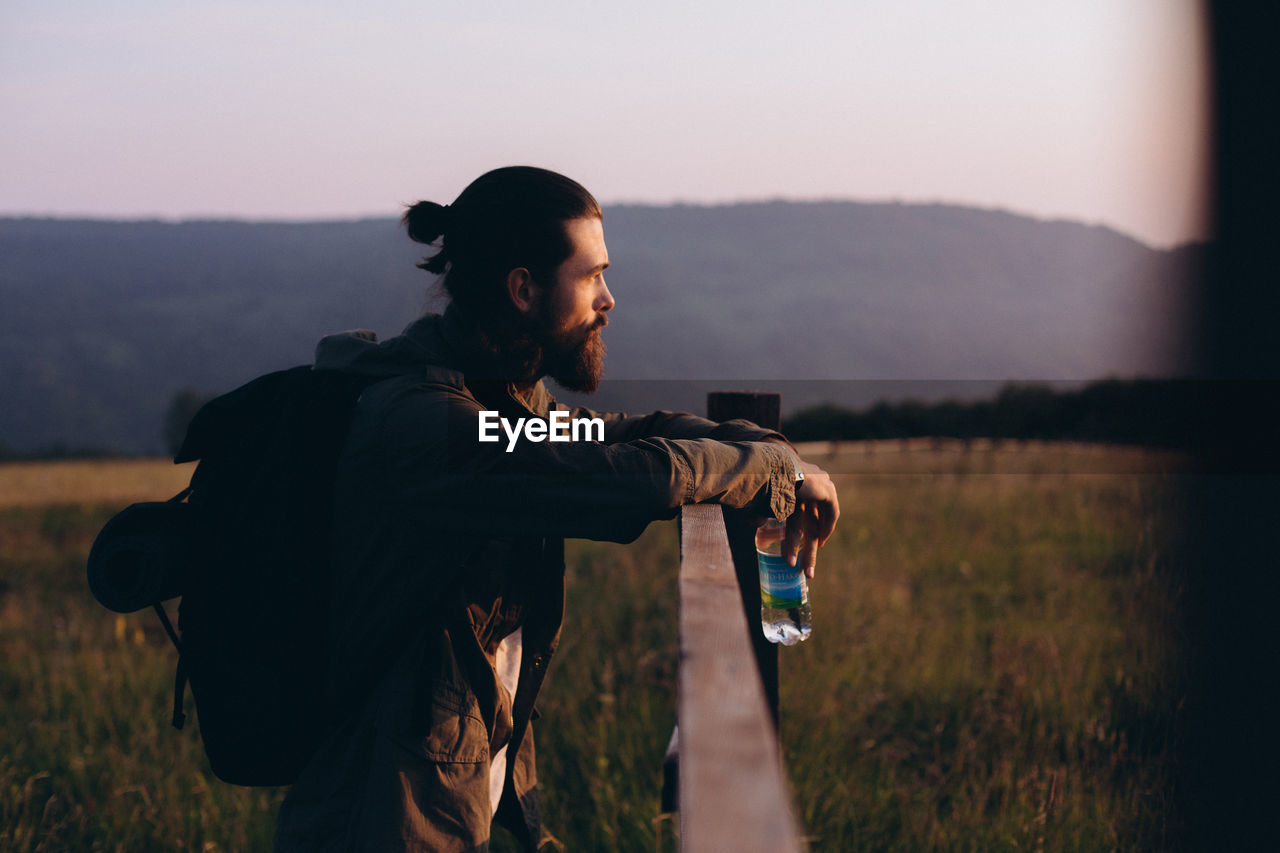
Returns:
(436,467)
(623,427)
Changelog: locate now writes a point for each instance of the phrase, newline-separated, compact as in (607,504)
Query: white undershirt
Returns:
(507,665)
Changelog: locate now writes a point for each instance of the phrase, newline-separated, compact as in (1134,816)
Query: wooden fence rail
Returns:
(732,791)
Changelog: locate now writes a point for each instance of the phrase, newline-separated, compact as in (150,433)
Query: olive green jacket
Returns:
(444,545)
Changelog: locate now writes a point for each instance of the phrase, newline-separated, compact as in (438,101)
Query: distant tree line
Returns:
(1154,412)
(1169,413)
(56,450)
(177,417)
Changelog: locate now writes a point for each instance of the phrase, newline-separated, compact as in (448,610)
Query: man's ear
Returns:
(522,290)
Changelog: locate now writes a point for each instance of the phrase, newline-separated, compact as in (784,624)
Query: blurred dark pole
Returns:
(1230,724)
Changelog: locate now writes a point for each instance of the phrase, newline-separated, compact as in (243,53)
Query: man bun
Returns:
(427,222)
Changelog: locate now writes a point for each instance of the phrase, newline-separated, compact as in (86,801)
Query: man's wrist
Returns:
(794,467)
(797,473)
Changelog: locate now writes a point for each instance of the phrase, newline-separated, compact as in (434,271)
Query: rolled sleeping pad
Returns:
(140,556)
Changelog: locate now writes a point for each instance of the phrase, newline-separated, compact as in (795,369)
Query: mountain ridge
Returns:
(106,319)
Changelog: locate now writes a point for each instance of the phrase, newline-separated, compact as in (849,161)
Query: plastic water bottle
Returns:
(784,593)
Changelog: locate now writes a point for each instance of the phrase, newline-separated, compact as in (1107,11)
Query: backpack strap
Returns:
(179,694)
(168,627)
(180,679)
(164,617)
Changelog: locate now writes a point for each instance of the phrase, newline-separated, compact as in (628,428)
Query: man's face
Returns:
(573,312)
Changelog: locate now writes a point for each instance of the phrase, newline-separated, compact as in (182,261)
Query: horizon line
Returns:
(336,218)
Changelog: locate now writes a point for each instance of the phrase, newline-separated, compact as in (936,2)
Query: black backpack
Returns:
(247,546)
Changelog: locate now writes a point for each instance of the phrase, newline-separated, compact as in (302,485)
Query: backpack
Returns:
(247,546)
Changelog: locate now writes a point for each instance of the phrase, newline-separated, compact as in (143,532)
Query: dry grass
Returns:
(993,667)
(949,456)
(90,481)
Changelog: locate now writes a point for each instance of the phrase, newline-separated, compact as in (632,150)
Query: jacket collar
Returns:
(450,340)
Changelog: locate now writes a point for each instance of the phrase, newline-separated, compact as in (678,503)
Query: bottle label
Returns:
(779,583)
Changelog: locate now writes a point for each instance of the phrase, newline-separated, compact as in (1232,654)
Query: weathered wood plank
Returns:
(763,408)
(733,795)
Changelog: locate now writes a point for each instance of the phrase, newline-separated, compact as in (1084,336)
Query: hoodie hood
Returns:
(424,342)
(436,343)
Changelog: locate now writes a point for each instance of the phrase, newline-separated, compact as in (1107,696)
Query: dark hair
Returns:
(508,218)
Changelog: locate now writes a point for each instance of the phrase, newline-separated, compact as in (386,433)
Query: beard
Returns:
(530,347)
(574,362)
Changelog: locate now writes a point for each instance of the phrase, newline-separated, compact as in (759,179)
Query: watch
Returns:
(797,474)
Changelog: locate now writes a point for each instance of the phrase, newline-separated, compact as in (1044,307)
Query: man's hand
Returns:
(814,518)
(809,527)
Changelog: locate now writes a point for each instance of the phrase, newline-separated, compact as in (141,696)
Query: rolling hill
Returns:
(104,321)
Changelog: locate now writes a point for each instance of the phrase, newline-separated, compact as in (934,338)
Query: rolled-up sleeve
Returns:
(609,490)
(623,427)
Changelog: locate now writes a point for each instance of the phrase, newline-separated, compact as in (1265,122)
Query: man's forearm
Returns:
(621,427)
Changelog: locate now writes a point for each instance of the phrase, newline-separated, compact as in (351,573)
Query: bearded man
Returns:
(449,549)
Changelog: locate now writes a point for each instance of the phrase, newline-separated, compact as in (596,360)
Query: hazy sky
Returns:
(1083,109)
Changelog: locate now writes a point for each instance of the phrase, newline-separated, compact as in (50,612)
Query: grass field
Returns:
(993,667)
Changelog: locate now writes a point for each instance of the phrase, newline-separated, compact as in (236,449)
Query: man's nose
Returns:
(604,301)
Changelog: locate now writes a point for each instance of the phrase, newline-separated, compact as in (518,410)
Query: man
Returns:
(449,566)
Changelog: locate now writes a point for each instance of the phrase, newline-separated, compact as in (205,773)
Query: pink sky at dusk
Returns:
(1092,110)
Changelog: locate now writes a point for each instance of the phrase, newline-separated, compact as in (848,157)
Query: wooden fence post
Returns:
(763,408)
